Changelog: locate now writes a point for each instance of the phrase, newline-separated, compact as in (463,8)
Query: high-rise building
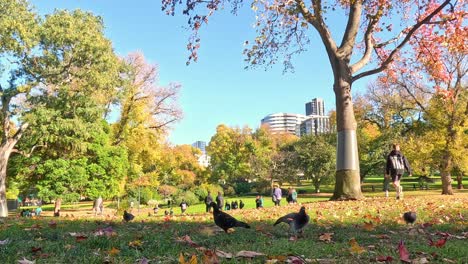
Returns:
(317,122)
(201,145)
(314,124)
(283,122)
(315,107)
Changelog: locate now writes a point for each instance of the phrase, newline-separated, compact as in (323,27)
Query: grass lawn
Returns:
(340,232)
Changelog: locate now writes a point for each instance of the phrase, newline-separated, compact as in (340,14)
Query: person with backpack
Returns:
(397,164)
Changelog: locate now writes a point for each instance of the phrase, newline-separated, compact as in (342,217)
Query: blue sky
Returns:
(215,90)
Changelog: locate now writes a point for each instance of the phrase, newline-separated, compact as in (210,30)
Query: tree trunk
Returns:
(58,204)
(4,155)
(3,201)
(348,180)
(460,181)
(446,175)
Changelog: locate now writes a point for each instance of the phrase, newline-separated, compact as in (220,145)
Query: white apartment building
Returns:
(283,122)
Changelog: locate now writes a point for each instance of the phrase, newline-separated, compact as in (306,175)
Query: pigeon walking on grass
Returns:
(128,216)
(296,221)
(224,220)
(409,217)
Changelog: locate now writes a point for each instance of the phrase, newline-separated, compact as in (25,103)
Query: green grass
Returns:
(158,234)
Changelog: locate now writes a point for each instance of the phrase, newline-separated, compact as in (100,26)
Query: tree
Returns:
(440,66)
(147,110)
(282,28)
(230,150)
(316,158)
(63,50)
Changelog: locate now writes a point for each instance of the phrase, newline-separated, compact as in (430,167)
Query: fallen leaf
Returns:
(446,260)
(143,261)
(326,237)
(35,249)
(186,239)
(384,259)
(223,254)
(53,224)
(293,238)
(113,251)
(210,257)
(439,243)
(404,254)
(81,238)
(135,244)
(4,242)
(355,248)
(368,226)
(295,260)
(420,261)
(26,261)
(248,254)
(193,259)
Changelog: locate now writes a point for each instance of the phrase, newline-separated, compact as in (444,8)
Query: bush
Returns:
(202,191)
(262,187)
(229,190)
(167,190)
(145,194)
(188,196)
(242,187)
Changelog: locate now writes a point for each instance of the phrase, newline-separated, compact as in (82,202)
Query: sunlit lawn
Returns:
(374,223)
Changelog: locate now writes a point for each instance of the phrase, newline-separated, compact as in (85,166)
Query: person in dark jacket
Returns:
(208,201)
(220,201)
(396,166)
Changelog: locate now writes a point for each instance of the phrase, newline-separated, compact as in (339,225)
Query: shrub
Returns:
(202,191)
(188,196)
(229,190)
(242,187)
(167,190)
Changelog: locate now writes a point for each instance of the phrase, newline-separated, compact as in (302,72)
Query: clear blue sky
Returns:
(217,89)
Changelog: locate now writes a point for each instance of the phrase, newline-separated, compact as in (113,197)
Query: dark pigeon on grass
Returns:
(409,217)
(224,220)
(296,221)
(128,216)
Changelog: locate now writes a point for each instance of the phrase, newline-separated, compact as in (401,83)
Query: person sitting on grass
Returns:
(259,202)
(228,206)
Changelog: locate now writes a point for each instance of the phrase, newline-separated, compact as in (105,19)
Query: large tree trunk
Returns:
(3,201)
(4,155)
(348,180)
(446,175)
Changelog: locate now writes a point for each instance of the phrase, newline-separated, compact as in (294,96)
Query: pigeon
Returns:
(128,216)
(409,217)
(224,220)
(296,221)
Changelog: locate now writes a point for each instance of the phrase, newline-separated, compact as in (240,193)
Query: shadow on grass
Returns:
(61,240)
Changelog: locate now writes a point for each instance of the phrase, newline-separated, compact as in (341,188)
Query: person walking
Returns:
(396,166)
(208,201)
(276,196)
(220,201)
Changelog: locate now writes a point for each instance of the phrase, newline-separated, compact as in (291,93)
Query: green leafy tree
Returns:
(66,52)
(316,158)
(230,150)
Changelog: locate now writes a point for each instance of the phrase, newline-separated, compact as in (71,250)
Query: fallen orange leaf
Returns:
(113,251)
(355,248)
